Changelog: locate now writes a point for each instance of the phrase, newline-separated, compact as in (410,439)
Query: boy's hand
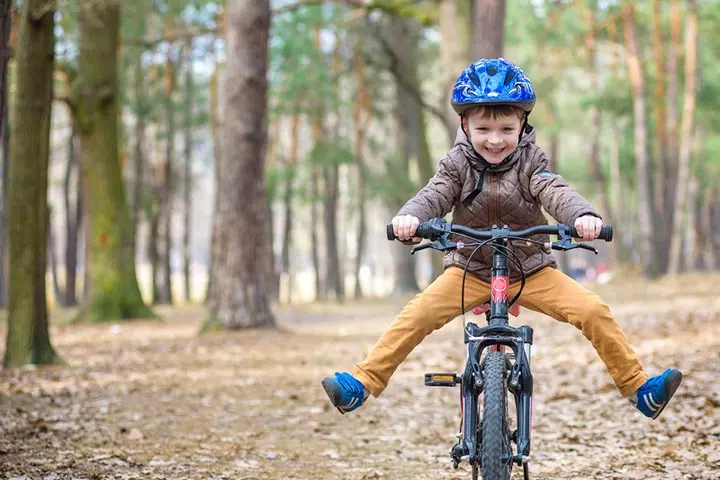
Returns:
(588,227)
(404,227)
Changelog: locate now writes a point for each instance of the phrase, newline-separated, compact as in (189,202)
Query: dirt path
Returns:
(154,401)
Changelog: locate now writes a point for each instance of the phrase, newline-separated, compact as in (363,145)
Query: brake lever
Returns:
(585,246)
(442,244)
(566,245)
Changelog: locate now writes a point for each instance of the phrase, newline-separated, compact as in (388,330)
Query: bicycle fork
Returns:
(519,383)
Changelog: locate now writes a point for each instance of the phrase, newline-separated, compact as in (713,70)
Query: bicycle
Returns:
(485,438)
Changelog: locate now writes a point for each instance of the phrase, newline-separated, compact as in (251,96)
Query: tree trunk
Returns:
(687,125)
(52,261)
(454,25)
(489,29)
(73,220)
(28,338)
(403,38)
(187,185)
(215,126)
(288,203)
(691,254)
(362,115)
(153,249)
(167,185)
(5,16)
(711,222)
(334,276)
(320,291)
(601,190)
(139,170)
(114,291)
(242,279)
(673,135)
(661,147)
(617,207)
(645,211)
(3,207)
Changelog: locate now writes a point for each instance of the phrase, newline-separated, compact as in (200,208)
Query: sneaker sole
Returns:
(332,394)
(670,387)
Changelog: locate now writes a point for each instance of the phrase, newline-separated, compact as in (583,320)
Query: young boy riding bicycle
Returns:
(496,175)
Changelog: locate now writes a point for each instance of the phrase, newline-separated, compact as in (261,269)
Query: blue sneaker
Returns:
(655,394)
(345,391)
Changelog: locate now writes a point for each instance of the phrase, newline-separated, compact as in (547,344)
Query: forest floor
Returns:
(153,400)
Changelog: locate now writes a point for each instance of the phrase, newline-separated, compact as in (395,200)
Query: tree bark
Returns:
(320,291)
(73,219)
(215,127)
(403,43)
(362,115)
(673,135)
(28,338)
(690,259)
(334,276)
(242,279)
(114,292)
(139,154)
(288,217)
(601,189)
(168,180)
(617,205)
(661,147)
(187,176)
(713,226)
(645,211)
(489,31)
(454,26)
(5,15)
(52,261)
(687,125)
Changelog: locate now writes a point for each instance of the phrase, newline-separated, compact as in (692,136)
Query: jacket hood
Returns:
(479,163)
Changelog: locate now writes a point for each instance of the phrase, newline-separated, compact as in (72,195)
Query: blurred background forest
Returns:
(242,154)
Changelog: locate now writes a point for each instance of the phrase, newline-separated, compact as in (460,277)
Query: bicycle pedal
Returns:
(441,379)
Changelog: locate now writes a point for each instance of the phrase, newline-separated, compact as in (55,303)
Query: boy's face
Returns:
(493,138)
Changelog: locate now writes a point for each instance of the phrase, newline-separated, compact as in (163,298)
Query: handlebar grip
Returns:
(390,232)
(606,233)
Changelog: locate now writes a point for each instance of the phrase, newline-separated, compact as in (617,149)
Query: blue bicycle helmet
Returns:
(492,81)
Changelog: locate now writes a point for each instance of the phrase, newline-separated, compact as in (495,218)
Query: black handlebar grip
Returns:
(606,233)
(390,232)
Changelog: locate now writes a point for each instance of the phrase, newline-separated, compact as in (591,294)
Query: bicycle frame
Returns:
(497,335)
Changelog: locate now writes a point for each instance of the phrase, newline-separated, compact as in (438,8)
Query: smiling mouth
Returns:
(494,150)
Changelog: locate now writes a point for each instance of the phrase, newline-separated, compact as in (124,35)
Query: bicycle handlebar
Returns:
(436,227)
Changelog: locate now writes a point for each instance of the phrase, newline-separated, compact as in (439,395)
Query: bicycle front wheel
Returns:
(495,446)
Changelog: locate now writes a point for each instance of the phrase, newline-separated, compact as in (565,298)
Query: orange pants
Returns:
(548,291)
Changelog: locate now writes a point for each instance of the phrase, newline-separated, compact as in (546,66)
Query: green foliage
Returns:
(299,75)
(393,185)
(330,153)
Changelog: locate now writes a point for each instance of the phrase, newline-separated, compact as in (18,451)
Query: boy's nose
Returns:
(495,137)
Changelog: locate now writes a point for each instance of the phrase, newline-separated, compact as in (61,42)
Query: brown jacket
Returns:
(512,194)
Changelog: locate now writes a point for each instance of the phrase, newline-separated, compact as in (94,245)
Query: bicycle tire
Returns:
(495,447)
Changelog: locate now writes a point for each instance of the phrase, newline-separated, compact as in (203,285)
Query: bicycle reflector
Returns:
(441,379)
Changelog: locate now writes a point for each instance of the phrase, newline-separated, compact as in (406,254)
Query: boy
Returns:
(496,175)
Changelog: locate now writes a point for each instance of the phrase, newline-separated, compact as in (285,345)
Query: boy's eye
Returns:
(508,129)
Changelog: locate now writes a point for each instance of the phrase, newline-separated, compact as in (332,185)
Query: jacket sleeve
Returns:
(437,198)
(555,195)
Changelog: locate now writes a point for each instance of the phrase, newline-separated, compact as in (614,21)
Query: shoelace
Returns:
(350,384)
